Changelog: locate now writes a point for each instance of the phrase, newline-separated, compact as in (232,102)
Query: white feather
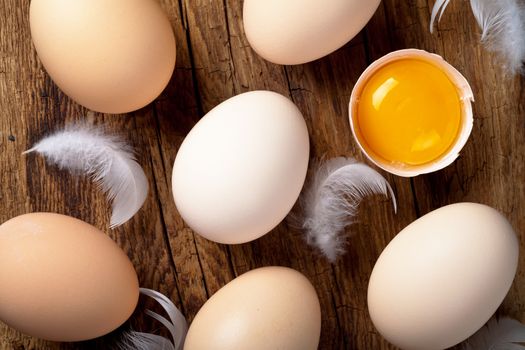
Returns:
(107,159)
(502,24)
(502,334)
(439,8)
(330,203)
(176,325)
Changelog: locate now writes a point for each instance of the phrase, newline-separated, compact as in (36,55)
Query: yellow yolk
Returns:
(409,112)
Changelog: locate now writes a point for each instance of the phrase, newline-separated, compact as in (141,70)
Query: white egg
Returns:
(300,31)
(241,168)
(443,276)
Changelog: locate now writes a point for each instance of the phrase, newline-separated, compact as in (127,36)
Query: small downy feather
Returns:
(502,334)
(330,203)
(107,159)
(176,324)
(502,24)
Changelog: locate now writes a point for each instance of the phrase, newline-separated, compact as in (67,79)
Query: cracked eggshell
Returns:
(241,168)
(266,308)
(300,31)
(467,118)
(443,276)
(111,56)
(63,279)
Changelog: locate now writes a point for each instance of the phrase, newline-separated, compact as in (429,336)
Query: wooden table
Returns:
(215,62)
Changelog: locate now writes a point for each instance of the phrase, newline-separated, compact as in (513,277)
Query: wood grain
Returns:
(215,62)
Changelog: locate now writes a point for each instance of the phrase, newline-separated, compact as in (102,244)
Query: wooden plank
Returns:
(215,62)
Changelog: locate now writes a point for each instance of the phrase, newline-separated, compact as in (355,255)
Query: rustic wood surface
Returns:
(215,62)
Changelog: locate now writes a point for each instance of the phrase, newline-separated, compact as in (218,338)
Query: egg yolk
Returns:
(409,112)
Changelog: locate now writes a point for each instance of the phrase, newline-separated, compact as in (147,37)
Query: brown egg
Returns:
(62,279)
(111,56)
(266,308)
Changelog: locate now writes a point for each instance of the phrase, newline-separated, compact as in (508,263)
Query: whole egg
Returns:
(111,56)
(241,168)
(62,279)
(443,276)
(300,31)
(266,308)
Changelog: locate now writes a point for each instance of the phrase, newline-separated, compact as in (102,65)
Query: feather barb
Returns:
(107,159)
(331,201)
